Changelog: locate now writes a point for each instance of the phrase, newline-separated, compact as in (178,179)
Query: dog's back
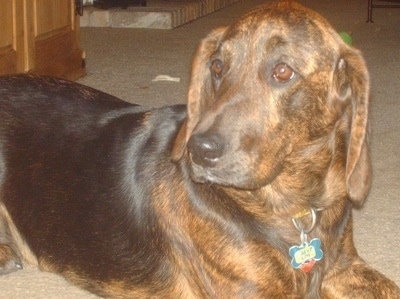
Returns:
(75,169)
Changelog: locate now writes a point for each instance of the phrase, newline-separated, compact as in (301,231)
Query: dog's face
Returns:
(277,95)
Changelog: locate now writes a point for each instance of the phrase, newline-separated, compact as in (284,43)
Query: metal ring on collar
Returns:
(310,228)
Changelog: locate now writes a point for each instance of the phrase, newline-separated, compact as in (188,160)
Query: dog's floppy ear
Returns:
(351,81)
(200,89)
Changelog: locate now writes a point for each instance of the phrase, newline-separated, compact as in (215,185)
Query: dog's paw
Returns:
(9,260)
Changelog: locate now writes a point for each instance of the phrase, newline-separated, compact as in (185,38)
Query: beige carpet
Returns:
(123,62)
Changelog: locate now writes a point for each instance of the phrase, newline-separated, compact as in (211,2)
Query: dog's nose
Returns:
(205,150)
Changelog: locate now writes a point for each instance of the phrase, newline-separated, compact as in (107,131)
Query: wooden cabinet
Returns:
(40,37)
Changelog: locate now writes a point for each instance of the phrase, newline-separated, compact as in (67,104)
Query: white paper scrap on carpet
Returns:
(166,78)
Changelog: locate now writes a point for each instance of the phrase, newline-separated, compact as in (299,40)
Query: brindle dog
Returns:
(248,194)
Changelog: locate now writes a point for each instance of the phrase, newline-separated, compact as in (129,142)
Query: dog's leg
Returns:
(360,281)
(10,260)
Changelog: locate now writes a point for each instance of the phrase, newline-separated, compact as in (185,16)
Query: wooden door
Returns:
(53,39)
(11,37)
(40,37)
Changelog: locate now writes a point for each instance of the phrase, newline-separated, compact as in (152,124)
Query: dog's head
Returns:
(278,98)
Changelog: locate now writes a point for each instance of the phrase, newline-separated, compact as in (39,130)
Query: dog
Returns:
(246,192)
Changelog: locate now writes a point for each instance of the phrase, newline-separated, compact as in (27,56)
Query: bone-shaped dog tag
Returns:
(305,255)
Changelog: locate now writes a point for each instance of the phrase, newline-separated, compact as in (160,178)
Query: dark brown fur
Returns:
(166,203)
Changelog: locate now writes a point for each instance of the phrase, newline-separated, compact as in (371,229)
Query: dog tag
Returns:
(305,255)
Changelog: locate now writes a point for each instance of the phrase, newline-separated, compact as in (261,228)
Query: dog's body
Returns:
(166,203)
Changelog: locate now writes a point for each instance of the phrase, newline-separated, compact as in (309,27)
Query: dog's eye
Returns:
(283,73)
(216,68)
